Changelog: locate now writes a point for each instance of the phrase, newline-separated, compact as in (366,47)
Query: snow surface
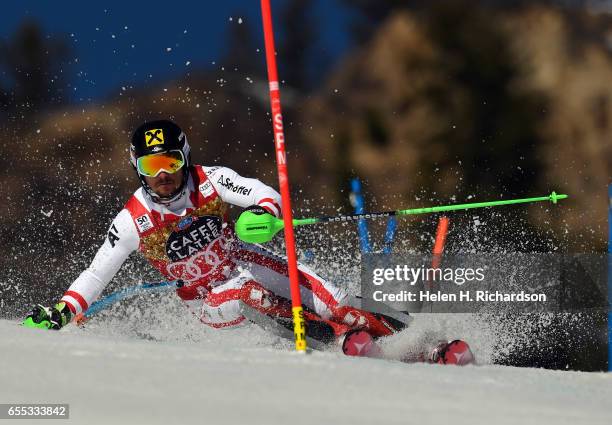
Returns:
(245,376)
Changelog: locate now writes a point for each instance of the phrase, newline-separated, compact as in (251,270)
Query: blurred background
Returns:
(425,101)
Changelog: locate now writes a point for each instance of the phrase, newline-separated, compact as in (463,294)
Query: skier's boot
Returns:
(455,352)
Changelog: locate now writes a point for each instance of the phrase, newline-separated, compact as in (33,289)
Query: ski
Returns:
(284,327)
(359,343)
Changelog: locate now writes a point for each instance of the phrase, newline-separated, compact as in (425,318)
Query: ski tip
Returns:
(456,352)
(360,343)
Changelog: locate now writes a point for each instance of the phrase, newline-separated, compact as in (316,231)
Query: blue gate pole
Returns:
(362,226)
(609,278)
(389,235)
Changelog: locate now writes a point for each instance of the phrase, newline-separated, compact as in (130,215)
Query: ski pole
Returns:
(254,228)
(111,299)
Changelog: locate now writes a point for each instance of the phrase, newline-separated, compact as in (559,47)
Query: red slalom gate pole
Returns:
(438,249)
(299,326)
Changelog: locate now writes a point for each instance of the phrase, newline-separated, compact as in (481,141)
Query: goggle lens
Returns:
(152,165)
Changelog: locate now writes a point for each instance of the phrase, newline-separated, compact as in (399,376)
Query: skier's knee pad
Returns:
(221,315)
(355,318)
(255,295)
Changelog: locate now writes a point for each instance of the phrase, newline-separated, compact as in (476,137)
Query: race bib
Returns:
(193,234)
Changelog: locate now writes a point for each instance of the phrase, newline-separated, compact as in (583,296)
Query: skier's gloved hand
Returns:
(257,225)
(48,317)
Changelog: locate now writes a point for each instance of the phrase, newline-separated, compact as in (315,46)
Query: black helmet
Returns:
(156,137)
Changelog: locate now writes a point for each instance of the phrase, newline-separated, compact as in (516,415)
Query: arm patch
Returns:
(113,236)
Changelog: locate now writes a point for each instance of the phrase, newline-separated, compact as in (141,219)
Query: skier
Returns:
(178,220)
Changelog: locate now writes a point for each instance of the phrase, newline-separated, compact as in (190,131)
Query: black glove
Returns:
(49,317)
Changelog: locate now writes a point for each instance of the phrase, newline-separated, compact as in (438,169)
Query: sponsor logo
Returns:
(227,183)
(278,122)
(279,139)
(211,170)
(154,137)
(206,189)
(359,216)
(459,357)
(144,223)
(113,235)
(184,223)
(193,237)
(200,265)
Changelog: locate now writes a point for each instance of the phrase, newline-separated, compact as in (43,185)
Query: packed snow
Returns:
(182,372)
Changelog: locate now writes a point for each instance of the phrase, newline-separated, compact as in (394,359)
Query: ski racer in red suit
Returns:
(178,220)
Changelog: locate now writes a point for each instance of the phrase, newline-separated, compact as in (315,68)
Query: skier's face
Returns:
(165,184)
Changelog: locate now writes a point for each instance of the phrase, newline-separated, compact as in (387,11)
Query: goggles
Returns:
(169,162)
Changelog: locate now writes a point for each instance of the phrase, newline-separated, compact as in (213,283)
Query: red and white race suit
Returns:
(191,240)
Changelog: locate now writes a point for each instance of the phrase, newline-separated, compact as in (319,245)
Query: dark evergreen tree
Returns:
(34,68)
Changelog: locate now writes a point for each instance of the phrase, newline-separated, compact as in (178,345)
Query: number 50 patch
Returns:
(144,223)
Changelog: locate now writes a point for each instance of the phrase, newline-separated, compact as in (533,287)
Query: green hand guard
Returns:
(257,228)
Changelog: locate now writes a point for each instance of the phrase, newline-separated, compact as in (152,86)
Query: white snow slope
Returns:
(225,379)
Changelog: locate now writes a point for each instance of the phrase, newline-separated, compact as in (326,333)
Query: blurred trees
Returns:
(454,62)
(455,101)
(34,73)
(240,50)
(296,45)
(369,14)
(296,39)
(494,124)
